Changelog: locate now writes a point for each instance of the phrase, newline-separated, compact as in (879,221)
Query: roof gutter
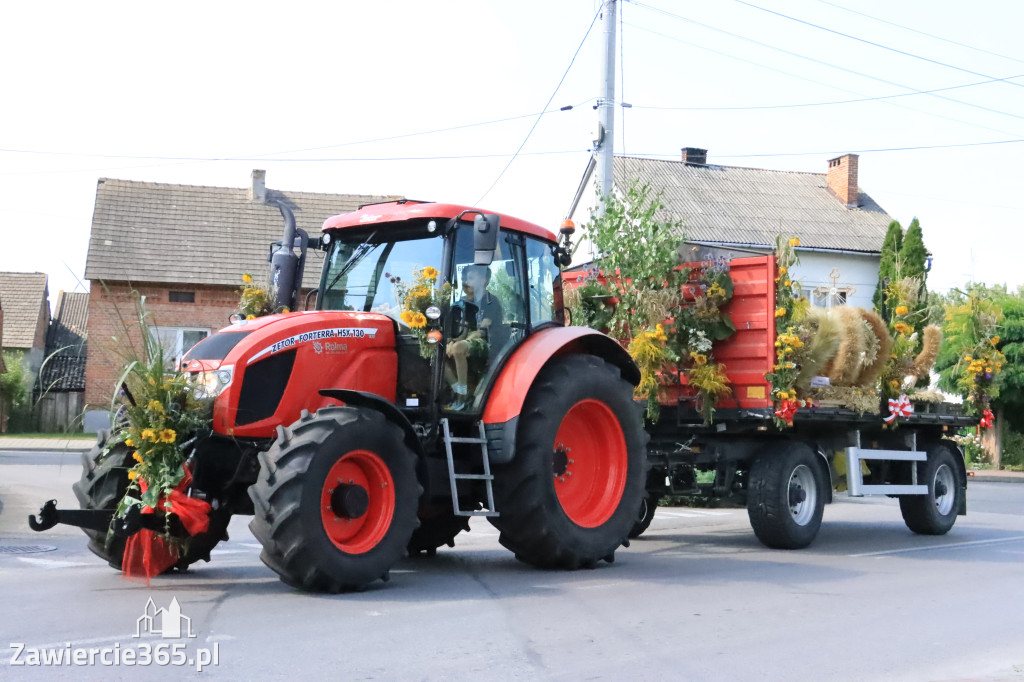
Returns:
(759,247)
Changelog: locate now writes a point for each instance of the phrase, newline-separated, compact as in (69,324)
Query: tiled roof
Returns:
(22,296)
(64,369)
(161,233)
(750,206)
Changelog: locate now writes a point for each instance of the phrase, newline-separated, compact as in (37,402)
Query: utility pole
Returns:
(605,135)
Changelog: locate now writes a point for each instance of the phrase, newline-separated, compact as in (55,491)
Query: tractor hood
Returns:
(265,372)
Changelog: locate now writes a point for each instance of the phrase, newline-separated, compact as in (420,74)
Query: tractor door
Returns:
(493,309)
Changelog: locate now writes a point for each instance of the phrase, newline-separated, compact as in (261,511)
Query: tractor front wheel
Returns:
(336,499)
(570,495)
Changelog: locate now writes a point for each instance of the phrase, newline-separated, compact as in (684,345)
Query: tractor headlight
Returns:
(209,384)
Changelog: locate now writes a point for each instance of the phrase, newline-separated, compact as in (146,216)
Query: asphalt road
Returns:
(697,598)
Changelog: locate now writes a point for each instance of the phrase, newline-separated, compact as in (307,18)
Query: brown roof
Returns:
(162,233)
(751,206)
(22,295)
(64,367)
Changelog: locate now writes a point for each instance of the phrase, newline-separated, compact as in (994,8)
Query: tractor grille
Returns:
(263,385)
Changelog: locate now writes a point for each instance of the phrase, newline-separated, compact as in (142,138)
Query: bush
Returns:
(974,451)
(1013,450)
(14,392)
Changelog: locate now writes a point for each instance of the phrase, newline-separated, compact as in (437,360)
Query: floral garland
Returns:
(791,308)
(416,298)
(975,324)
(256,301)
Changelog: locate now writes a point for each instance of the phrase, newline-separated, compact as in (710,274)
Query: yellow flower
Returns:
(129,443)
(429,273)
(894,383)
(698,358)
(903,328)
(901,310)
(137,457)
(783,271)
(994,340)
(795,241)
(407,316)
(167,435)
(419,320)
(250,317)
(149,434)
(156,406)
(780,312)
(247,278)
(783,395)
(659,333)
(787,283)
(152,381)
(132,475)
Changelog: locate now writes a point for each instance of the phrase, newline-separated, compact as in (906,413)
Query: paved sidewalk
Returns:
(993,475)
(58,443)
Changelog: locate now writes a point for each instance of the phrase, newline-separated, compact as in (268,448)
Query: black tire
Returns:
(438,528)
(644,517)
(786,498)
(103,484)
(548,518)
(936,512)
(293,503)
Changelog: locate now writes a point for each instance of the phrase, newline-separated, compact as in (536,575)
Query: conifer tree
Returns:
(891,248)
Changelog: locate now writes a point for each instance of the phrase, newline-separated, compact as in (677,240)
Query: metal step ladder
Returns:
(454,477)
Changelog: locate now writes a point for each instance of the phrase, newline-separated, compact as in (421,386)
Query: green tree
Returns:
(914,256)
(887,267)
(14,388)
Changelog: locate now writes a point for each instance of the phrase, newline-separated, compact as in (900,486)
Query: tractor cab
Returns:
(463,290)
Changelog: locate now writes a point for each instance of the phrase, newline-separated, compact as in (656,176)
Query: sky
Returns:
(462,101)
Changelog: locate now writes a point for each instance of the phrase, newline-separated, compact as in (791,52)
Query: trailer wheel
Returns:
(104,482)
(786,497)
(437,530)
(644,517)
(935,513)
(570,495)
(335,500)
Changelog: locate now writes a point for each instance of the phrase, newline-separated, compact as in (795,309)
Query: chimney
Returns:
(842,179)
(258,190)
(695,157)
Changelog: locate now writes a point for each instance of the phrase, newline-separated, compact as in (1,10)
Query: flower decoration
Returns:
(416,298)
(255,301)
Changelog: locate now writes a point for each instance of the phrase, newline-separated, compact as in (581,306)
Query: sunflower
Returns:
(167,435)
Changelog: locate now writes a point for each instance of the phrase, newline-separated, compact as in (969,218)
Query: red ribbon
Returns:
(988,420)
(147,554)
(899,407)
(787,410)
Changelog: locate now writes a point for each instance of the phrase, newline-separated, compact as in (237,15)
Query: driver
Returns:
(485,333)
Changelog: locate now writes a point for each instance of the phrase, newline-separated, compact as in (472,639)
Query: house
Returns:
(61,386)
(183,248)
(731,211)
(26,315)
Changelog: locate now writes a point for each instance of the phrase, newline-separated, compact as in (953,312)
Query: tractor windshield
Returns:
(365,271)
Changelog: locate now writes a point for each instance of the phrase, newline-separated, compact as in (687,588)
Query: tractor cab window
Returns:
(487,315)
(544,279)
(365,271)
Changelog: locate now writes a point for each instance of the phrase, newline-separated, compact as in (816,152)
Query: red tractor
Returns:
(367,428)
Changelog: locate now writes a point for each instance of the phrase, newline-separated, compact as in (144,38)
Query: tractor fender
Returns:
(506,397)
(375,402)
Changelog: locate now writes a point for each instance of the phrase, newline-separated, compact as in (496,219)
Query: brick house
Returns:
(730,211)
(183,248)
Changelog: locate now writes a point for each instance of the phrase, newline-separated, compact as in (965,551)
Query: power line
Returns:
(853,151)
(834,66)
(923,33)
(868,42)
(534,126)
(829,103)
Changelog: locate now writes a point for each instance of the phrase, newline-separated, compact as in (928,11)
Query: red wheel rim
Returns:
(366,470)
(590,462)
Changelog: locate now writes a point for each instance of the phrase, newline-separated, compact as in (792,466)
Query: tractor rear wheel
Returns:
(104,482)
(570,495)
(336,499)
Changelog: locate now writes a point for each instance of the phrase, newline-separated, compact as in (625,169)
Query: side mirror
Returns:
(485,238)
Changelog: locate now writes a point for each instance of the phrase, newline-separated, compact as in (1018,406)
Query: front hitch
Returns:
(96,519)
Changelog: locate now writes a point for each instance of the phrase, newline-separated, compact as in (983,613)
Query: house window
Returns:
(829,297)
(181,296)
(176,341)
